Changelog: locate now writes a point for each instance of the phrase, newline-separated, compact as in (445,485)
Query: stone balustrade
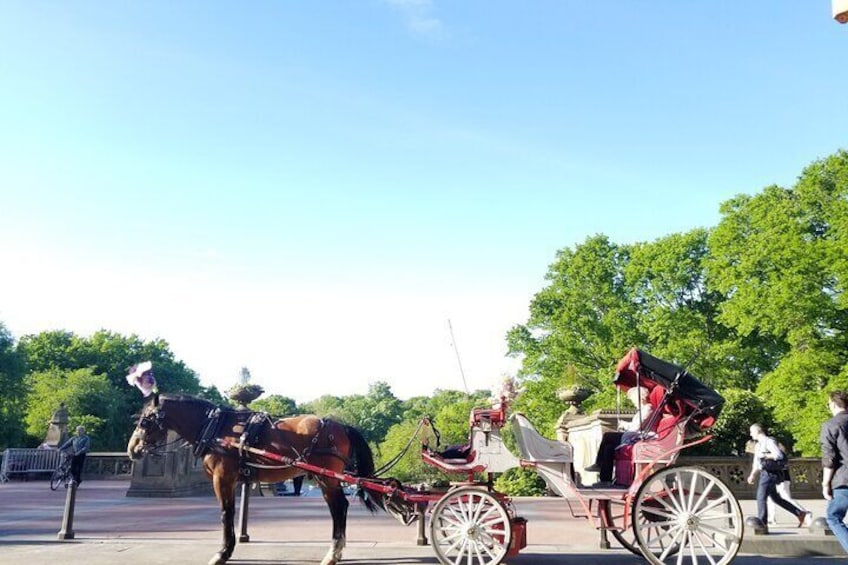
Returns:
(107,465)
(806,474)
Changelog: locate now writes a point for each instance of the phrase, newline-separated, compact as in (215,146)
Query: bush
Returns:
(732,430)
(521,482)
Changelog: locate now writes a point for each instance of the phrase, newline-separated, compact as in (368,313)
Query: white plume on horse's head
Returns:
(141,376)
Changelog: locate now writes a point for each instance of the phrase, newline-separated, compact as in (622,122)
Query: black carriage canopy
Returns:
(702,402)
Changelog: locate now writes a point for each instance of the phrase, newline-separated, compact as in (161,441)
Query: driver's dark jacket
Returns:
(834,446)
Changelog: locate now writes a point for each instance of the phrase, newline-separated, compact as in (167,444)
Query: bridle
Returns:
(153,426)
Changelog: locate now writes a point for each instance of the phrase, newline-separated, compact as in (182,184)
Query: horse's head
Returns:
(150,430)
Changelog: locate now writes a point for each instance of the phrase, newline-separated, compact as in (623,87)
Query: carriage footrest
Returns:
(519,536)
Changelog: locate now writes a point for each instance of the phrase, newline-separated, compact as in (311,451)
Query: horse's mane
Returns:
(186,399)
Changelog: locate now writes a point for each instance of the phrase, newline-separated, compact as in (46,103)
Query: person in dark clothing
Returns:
(834,446)
(77,447)
(297,484)
(769,462)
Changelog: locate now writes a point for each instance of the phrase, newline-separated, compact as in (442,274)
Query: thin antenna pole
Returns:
(458,360)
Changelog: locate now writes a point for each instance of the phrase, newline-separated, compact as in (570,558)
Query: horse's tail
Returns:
(360,451)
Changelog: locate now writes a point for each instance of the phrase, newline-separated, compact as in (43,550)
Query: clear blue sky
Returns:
(312,189)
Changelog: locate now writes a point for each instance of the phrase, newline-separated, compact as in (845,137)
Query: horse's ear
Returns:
(156,399)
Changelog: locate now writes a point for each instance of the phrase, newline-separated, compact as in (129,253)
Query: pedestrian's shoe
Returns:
(802,518)
(593,468)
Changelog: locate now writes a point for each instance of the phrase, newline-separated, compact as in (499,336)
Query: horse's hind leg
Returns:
(338,504)
(225,491)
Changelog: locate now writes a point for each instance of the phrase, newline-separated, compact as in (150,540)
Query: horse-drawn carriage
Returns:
(657,510)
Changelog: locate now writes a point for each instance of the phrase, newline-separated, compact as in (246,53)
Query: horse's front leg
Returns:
(338,504)
(225,491)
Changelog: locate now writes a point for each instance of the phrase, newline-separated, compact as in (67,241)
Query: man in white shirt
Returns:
(766,452)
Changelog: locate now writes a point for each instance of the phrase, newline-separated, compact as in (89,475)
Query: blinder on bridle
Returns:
(153,426)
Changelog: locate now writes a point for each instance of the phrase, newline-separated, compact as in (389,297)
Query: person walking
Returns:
(784,489)
(77,446)
(769,462)
(834,446)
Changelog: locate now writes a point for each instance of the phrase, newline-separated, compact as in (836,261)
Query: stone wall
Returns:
(110,466)
(805,471)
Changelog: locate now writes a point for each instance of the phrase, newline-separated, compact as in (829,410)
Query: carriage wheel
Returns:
(469,526)
(689,510)
(613,512)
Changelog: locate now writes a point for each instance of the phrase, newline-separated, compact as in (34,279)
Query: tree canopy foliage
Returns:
(88,374)
(757,303)
(12,405)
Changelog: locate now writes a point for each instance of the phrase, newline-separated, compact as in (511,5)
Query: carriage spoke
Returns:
(687,516)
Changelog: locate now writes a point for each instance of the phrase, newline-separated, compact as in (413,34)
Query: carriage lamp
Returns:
(840,10)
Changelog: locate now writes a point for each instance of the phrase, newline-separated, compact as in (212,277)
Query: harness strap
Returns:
(251,435)
(313,449)
(210,432)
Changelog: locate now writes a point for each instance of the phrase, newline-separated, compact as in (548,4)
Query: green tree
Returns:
(213,395)
(449,412)
(731,432)
(583,320)
(679,312)
(109,354)
(12,387)
(603,299)
(276,405)
(328,406)
(90,399)
(779,257)
(375,412)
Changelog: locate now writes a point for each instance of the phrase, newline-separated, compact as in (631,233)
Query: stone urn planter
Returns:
(244,394)
(574,396)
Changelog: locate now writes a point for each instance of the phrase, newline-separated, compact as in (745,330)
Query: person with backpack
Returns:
(784,489)
(769,462)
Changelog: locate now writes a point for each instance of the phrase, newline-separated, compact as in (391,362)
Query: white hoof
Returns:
(329,561)
(217,559)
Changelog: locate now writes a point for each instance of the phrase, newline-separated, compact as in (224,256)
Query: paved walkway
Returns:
(110,528)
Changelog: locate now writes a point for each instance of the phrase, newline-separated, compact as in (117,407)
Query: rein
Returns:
(389,465)
(159,449)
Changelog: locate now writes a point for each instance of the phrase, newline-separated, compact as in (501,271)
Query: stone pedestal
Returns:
(57,428)
(175,473)
(584,433)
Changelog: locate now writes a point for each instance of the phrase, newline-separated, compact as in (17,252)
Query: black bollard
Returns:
(243,510)
(756,525)
(67,531)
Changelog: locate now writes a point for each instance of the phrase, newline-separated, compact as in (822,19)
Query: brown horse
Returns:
(309,439)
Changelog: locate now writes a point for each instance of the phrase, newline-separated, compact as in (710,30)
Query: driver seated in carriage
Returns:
(682,407)
(640,426)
